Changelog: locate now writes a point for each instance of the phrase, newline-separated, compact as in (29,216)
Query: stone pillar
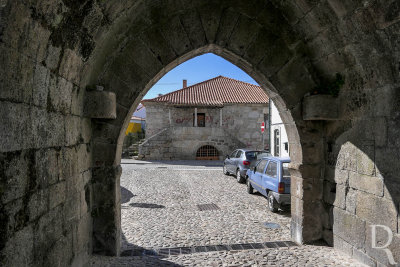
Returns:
(106,210)
(307,208)
(195,117)
(220,117)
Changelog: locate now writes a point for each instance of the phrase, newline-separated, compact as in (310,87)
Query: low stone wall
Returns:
(183,143)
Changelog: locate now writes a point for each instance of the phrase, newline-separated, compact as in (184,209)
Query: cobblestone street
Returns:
(163,226)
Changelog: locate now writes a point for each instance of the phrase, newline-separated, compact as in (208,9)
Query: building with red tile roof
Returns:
(214,92)
(220,114)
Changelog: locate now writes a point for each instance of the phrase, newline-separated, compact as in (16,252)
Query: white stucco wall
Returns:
(277,124)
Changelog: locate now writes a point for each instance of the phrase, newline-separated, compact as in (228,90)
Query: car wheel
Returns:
(225,170)
(239,177)
(272,203)
(249,186)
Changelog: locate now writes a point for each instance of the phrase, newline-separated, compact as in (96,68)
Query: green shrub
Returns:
(133,138)
(329,87)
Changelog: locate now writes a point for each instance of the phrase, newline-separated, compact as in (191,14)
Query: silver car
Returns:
(240,160)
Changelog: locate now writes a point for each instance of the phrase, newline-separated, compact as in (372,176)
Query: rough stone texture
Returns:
(105,214)
(50,49)
(183,143)
(173,220)
(295,256)
(240,128)
(349,228)
(100,105)
(154,221)
(320,107)
(369,184)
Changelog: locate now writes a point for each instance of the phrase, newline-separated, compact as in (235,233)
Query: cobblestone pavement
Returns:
(159,211)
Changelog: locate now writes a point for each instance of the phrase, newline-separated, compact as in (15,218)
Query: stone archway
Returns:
(303,212)
(141,60)
(56,164)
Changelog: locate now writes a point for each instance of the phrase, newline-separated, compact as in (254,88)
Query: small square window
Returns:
(201,120)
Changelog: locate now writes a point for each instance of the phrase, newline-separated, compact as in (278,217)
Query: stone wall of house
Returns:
(239,121)
(180,142)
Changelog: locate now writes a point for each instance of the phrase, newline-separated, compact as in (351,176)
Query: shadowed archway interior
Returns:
(275,59)
(59,166)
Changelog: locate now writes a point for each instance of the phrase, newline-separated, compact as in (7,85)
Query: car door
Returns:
(270,177)
(256,177)
(238,158)
(229,161)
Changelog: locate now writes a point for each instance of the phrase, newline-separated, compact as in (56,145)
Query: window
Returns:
(272,169)
(239,154)
(276,143)
(285,170)
(201,120)
(261,166)
(233,154)
(252,154)
(207,153)
(286,146)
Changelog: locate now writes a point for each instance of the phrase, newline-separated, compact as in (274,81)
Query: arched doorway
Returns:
(133,55)
(111,164)
(207,152)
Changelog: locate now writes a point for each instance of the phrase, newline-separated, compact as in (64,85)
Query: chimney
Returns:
(184,83)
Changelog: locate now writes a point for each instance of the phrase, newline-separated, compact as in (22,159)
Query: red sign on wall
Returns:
(262,127)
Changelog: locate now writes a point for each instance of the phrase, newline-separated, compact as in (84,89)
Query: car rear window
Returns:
(285,170)
(256,154)
(252,154)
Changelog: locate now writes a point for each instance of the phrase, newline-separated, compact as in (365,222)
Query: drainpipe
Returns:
(195,117)
(269,123)
(220,117)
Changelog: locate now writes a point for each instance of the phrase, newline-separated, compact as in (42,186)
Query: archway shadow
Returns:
(202,163)
(126,195)
(139,256)
(147,205)
(361,185)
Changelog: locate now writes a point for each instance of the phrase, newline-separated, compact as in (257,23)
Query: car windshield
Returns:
(285,170)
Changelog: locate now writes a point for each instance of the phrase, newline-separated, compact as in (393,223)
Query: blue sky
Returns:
(196,70)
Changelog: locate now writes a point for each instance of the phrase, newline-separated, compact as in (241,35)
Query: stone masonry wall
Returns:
(183,142)
(51,50)
(362,189)
(44,169)
(45,151)
(240,122)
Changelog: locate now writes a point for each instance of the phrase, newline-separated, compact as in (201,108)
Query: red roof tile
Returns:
(215,92)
